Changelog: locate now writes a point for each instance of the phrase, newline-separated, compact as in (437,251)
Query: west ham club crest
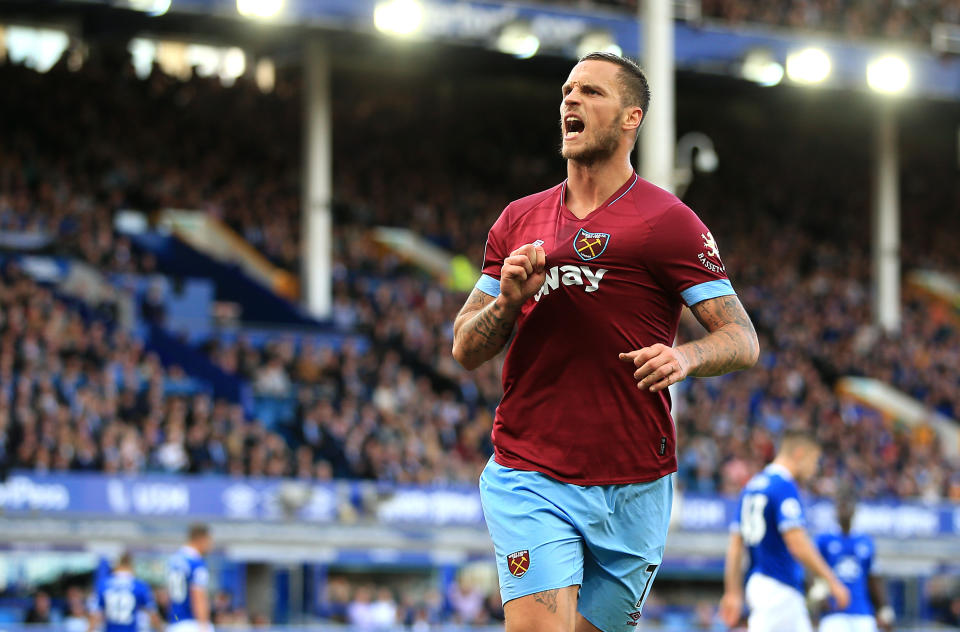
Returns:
(590,245)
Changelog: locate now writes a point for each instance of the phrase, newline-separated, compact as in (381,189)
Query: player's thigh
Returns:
(775,607)
(585,626)
(188,626)
(623,552)
(770,619)
(537,548)
(552,610)
(847,623)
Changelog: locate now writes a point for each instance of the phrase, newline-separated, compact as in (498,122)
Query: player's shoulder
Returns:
(660,207)
(780,477)
(656,198)
(520,207)
(863,542)
(758,482)
(786,488)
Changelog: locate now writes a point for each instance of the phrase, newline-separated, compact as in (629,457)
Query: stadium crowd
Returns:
(81,393)
(900,20)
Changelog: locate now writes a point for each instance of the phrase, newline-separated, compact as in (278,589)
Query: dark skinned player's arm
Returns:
(731,342)
(482,328)
(878,596)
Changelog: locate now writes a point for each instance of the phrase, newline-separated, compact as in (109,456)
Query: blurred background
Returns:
(234,235)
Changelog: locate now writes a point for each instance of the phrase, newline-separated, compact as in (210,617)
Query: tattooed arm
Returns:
(485,323)
(482,328)
(730,345)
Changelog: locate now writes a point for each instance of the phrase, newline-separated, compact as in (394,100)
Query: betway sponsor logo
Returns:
(19,492)
(571,275)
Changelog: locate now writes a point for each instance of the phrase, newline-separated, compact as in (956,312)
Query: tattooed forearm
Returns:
(548,598)
(730,345)
(482,329)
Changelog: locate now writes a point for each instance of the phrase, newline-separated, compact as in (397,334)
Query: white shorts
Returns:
(840,622)
(189,626)
(775,607)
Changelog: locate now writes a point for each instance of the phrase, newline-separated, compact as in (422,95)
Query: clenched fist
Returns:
(522,274)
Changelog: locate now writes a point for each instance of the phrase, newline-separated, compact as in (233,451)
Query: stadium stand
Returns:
(884,19)
(84,394)
(399,409)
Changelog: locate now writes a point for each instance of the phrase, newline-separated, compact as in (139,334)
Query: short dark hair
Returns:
(635,89)
(197,530)
(797,436)
(125,560)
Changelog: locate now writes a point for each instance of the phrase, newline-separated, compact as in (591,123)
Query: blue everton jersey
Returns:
(185,570)
(770,505)
(120,598)
(851,557)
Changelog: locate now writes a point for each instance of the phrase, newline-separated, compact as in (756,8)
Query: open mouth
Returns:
(572,126)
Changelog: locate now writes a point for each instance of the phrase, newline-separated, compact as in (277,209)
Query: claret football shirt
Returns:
(615,281)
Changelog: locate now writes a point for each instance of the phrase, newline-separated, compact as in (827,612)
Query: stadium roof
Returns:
(557,31)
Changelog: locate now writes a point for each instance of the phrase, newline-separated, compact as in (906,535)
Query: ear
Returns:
(632,117)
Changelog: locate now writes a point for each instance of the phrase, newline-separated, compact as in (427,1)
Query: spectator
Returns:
(41,611)
(77,617)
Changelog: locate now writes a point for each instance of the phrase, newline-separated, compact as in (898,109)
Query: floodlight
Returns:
(203,58)
(518,40)
(232,65)
(259,9)
(889,74)
(398,17)
(266,75)
(143,52)
(598,42)
(811,65)
(150,7)
(760,67)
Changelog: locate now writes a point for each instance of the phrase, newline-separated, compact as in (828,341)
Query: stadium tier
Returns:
(157,366)
(860,19)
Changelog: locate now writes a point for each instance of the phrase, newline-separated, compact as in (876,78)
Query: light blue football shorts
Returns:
(608,539)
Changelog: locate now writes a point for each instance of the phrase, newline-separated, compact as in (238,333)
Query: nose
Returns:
(572,98)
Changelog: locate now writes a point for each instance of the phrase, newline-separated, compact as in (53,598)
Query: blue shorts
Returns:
(608,539)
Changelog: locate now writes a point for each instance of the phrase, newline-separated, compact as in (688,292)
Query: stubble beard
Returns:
(602,149)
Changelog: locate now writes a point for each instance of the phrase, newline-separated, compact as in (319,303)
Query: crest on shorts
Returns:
(590,245)
(518,563)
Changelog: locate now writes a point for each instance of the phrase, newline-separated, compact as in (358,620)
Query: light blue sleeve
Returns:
(488,285)
(703,291)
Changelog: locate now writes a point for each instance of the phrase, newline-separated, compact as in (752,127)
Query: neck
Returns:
(589,186)
(787,464)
